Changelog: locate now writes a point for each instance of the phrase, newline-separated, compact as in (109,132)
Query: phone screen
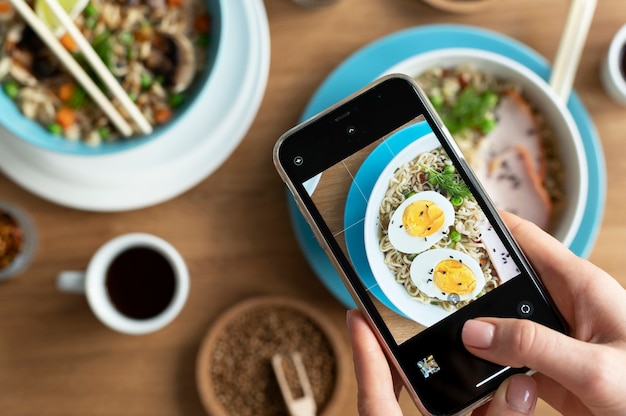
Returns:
(425,251)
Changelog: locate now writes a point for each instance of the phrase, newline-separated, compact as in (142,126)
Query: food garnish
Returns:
(449,181)
(472,110)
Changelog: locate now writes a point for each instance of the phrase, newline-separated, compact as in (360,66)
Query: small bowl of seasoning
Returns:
(234,366)
(613,72)
(17,240)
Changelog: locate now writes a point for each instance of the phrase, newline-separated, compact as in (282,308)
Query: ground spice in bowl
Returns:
(17,240)
(234,373)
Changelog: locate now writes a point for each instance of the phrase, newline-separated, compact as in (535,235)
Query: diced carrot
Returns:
(144,33)
(68,41)
(175,3)
(202,23)
(5,7)
(66,90)
(65,117)
(162,115)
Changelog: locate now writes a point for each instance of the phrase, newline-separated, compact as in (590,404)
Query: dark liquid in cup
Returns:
(140,282)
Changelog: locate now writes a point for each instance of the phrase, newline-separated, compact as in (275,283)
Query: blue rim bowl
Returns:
(35,134)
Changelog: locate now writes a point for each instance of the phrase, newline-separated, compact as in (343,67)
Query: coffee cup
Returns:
(136,283)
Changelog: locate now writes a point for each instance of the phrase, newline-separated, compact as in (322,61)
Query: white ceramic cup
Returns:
(93,283)
(611,74)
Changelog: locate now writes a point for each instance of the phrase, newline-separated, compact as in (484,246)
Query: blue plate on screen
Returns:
(369,62)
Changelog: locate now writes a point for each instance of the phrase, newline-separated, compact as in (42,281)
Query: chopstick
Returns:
(101,70)
(77,71)
(570,48)
(301,406)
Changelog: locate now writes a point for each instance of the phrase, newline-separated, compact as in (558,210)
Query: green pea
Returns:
(55,128)
(104,132)
(91,10)
(146,80)
(11,89)
(126,38)
(455,236)
(176,100)
(448,169)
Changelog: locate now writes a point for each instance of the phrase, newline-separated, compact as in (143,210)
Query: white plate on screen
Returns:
(167,167)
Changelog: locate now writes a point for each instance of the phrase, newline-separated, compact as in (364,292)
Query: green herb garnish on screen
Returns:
(449,181)
(472,110)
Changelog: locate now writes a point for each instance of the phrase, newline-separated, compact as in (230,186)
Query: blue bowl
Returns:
(32,132)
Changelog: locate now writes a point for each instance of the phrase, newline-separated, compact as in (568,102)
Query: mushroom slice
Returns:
(172,56)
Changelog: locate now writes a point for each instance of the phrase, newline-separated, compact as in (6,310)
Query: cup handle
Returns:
(72,281)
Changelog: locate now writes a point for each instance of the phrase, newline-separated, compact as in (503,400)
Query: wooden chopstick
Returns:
(75,69)
(101,70)
(570,48)
(300,406)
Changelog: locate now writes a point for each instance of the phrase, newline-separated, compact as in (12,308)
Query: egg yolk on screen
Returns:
(452,276)
(422,218)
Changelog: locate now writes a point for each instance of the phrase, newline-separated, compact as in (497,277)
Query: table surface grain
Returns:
(233,228)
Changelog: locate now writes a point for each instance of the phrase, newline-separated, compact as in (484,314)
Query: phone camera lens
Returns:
(298,160)
(351,130)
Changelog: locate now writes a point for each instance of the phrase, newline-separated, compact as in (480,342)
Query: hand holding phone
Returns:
(574,375)
(415,238)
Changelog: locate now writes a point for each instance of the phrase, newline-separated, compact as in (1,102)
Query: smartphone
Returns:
(414,237)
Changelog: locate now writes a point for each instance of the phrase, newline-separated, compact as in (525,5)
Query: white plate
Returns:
(423,313)
(164,168)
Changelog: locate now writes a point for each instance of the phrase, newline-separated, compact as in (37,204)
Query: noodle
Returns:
(412,177)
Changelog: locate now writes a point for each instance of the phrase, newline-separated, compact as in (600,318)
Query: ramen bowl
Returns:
(568,142)
(183,51)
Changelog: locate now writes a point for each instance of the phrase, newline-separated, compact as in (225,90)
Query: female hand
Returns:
(579,375)
(582,374)
(379,386)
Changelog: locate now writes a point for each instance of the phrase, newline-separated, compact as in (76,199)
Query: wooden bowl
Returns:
(460,6)
(233,367)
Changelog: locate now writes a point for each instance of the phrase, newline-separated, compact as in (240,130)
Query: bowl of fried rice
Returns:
(517,134)
(160,51)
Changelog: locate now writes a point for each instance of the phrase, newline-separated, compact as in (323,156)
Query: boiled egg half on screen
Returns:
(447,274)
(420,222)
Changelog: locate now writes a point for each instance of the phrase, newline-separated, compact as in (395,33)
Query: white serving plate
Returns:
(164,168)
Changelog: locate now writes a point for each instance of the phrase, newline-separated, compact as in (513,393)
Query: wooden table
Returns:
(233,228)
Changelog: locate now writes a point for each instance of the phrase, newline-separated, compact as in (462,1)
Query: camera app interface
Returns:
(412,229)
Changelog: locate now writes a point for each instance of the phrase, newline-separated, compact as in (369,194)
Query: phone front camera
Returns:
(298,160)
(351,130)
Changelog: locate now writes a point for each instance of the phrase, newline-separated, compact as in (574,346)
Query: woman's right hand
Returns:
(577,375)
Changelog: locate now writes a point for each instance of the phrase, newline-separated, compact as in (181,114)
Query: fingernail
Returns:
(348,319)
(521,393)
(478,334)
